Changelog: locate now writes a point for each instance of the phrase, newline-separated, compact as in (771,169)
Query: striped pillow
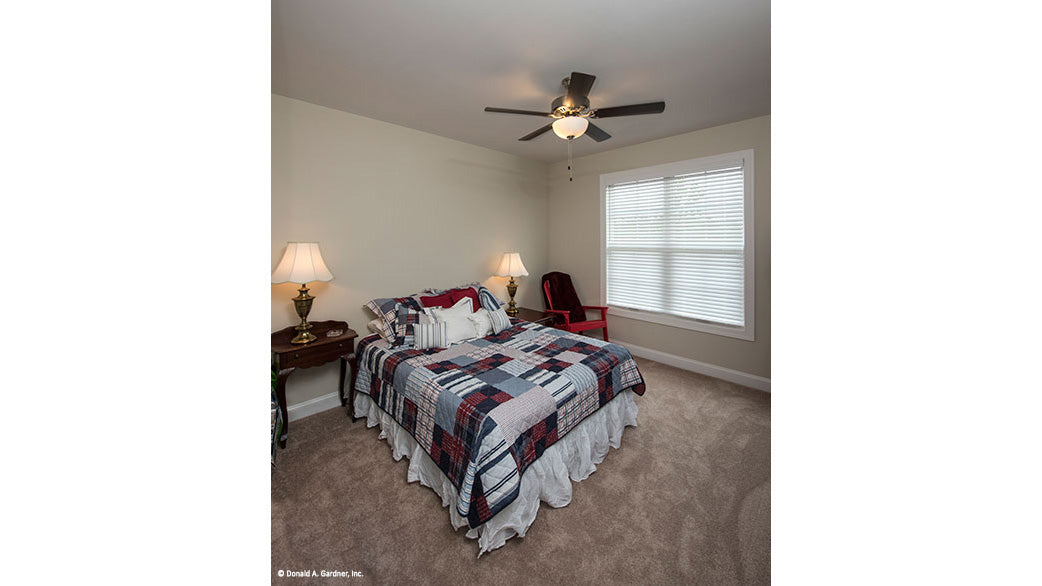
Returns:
(500,320)
(431,335)
(488,300)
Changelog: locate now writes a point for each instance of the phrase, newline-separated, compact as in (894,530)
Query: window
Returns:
(677,244)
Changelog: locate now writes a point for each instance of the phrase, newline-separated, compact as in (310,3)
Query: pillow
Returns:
(430,335)
(487,299)
(386,308)
(374,325)
(441,300)
(408,318)
(466,293)
(482,322)
(481,295)
(459,328)
(500,320)
(461,307)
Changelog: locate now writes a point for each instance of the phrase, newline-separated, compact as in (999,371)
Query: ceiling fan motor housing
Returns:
(565,106)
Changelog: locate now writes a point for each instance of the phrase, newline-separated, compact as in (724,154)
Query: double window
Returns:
(678,244)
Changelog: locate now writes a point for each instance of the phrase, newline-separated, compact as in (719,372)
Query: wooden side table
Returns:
(288,357)
(536,316)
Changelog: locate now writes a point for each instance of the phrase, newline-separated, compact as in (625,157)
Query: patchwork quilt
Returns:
(484,410)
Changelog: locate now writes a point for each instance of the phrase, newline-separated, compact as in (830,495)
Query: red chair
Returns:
(559,295)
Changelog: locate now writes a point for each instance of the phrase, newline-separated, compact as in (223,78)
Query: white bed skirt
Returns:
(575,456)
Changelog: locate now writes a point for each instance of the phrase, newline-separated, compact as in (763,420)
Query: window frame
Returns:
(679,168)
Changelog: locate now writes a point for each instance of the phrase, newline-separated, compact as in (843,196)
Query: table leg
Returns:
(353,360)
(348,399)
(280,392)
(343,375)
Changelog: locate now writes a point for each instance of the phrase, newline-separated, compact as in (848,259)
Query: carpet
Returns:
(690,493)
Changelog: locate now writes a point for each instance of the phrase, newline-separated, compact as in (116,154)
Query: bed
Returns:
(498,423)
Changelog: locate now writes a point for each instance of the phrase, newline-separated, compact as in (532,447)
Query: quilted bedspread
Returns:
(486,409)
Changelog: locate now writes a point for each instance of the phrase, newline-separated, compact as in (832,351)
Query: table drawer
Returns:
(315,355)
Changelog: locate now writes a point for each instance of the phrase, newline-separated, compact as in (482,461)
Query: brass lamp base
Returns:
(512,290)
(302,303)
(304,336)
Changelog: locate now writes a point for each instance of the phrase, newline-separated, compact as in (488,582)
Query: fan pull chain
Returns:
(570,158)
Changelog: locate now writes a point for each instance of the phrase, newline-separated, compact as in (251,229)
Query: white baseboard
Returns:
(312,406)
(735,376)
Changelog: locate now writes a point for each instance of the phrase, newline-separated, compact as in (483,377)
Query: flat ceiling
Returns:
(434,65)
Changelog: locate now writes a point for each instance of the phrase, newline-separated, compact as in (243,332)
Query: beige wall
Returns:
(575,238)
(394,210)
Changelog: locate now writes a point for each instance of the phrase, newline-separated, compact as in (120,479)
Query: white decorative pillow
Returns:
(462,307)
(500,320)
(482,322)
(459,327)
(432,335)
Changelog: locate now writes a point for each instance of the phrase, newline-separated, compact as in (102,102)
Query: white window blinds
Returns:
(676,245)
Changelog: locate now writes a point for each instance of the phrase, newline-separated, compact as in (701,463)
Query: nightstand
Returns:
(535,316)
(288,357)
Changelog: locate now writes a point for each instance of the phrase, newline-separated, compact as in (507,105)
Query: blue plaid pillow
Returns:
(386,308)
(408,319)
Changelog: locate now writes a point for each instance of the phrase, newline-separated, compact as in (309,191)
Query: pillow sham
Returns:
(459,327)
(487,299)
(482,322)
(430,335)
(484,298)
(374,326)
(440,300)
(466,293)
(408,318)
(386,308)
(500,320)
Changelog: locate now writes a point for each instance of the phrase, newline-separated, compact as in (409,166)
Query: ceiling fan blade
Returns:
(593,131)
(579,85)
(631,110)
(532,135)
(512,111)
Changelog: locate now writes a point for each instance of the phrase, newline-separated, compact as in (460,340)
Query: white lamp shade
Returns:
(302,263)
(570,126)
(511,266)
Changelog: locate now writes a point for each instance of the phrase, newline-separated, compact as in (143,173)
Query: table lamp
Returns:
(511,266)
(302,263)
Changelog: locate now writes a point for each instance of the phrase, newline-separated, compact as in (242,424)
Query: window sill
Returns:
(744,333)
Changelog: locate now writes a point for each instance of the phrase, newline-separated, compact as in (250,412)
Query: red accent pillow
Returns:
(458,294)
(442,300)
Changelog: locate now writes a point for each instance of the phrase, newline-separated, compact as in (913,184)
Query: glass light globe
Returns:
(570,127)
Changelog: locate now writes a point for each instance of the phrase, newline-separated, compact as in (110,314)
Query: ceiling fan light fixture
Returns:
(570,127)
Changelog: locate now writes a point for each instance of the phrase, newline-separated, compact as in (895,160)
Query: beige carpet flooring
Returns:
(686,500)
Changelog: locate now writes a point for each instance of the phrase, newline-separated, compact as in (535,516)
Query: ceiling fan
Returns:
(572,112)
